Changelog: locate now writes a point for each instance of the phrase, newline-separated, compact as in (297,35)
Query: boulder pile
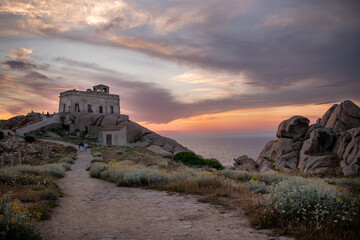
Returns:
(331,146)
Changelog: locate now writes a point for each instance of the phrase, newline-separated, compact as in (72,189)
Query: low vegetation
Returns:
(193,160)
(305,208)
(30,192)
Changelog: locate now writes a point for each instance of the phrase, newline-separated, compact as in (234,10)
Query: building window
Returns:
(111,109)
(77,108)
(64,107)
(89,108)
(100,109)
(104,90)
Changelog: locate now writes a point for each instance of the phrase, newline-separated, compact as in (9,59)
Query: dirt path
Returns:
(96,209)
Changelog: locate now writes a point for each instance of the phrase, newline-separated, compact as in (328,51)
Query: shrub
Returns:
(257,186)
(96,159)
(244,176)
(71,149)
(55,170)
(309,202)
(191,159)
(16,221)
(49,195)
(96,169)
(67,159)
(29,139)
(126,173)
(96,154)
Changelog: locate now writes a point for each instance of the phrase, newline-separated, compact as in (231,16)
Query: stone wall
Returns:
(70,98)
(118,136)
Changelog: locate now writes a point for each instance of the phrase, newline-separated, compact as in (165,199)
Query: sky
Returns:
(190,66)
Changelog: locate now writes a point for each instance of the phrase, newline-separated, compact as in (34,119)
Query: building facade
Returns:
(97,100)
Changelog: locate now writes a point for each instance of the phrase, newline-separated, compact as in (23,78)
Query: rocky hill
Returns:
(87,126)
(331,146)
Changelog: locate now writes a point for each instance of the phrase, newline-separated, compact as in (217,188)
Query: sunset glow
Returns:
(183,66)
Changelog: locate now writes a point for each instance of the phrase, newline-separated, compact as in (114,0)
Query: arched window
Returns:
(111,109)
(77,108)
(64,108)
(100,109)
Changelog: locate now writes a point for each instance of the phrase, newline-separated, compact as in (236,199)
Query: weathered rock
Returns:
(167,143)
(347,146)
(342,117)
(311,128)
(318,164)
(351,170)
(294,127)
(109,120)
(144,142)
(152,136)
(20,121)
(159,150)
(274,150)
(245,163)
(315,155)
(289,161)
(134,130)
(320,140)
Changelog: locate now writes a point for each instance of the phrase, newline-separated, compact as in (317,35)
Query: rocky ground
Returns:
(96,209)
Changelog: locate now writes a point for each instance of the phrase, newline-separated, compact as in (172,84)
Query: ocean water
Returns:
(225,149)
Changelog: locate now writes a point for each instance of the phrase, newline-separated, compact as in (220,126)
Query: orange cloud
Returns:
(140,44)
(20,53)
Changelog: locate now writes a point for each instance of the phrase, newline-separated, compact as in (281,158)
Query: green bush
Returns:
(191,159)
(49,195)
(30,139)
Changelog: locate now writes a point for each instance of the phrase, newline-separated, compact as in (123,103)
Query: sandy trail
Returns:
(96,209)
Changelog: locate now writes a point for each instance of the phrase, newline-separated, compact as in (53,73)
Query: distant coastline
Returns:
(225,147)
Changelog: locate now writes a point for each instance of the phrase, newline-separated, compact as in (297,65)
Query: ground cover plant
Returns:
(30,192)
(307,208)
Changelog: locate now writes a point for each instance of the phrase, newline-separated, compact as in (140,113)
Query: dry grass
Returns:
(215,191)
(138,155)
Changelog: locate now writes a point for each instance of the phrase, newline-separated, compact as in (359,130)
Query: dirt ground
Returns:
(96,209)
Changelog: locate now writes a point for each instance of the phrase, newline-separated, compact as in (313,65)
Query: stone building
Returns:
(113,135)
(98,100)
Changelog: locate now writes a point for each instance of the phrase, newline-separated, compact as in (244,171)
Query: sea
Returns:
(225,148)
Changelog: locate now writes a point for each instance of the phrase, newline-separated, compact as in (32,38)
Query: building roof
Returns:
(101,85)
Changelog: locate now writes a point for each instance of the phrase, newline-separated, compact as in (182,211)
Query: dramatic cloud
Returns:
(241,54)
(19,65)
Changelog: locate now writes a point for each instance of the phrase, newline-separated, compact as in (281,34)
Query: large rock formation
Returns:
(331,146)
(294,127)
(342,117)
